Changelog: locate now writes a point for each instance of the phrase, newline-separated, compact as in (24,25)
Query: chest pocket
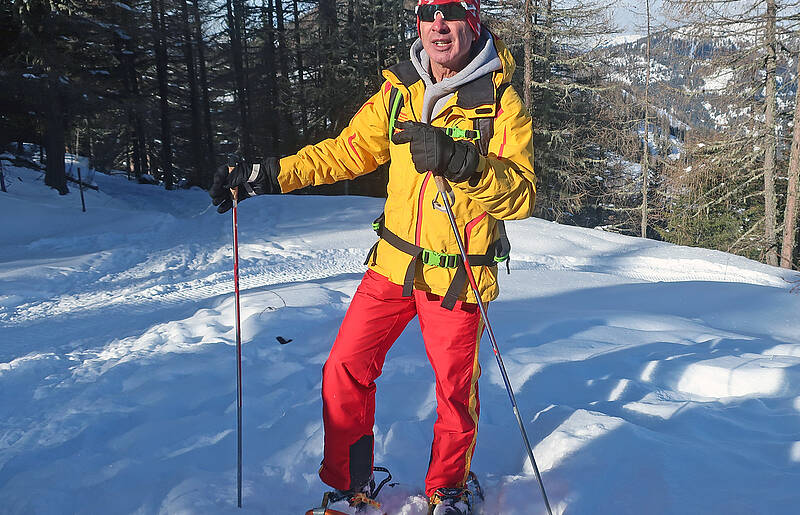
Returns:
(480,134)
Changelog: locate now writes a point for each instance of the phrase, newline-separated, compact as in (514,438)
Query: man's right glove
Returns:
(432,149)
(250,179)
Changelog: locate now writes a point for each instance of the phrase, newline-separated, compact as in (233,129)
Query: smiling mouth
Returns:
(441,43)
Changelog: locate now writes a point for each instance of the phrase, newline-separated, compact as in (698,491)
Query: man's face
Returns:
(447,42)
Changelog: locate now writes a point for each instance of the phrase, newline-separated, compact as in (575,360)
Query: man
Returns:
(449,111)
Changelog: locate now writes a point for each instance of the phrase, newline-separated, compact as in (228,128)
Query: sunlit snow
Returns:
(652,378)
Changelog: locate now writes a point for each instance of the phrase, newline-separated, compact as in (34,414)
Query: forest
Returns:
(687,132)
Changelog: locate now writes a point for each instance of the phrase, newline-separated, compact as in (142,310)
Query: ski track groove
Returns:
(323,264)
(319,265)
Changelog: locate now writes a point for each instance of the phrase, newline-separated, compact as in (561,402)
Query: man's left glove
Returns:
(250,179)
(433,150)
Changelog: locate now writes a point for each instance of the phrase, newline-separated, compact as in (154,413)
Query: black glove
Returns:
(250,179)
(432,149)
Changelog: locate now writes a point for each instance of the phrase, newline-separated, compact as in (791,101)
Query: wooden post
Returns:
(80,187)
(2,179)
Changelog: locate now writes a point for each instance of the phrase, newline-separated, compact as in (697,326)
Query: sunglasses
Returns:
(453,11)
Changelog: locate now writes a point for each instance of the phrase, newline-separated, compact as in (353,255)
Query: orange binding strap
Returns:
(358,499)
(361,498)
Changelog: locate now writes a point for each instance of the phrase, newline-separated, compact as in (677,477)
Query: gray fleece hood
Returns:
(437,94)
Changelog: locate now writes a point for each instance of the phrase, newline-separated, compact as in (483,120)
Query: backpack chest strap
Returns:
(420,256)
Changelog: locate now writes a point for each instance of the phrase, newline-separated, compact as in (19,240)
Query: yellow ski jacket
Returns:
(504,190)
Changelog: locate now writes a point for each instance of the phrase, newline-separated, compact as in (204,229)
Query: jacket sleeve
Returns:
(360,148)
(506,188)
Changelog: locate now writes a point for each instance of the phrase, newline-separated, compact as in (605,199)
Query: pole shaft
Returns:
(441,184)
(237,311)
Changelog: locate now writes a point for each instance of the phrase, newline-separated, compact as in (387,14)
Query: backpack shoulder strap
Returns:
(405,72)
(407,75)
(395,105)
(485,126)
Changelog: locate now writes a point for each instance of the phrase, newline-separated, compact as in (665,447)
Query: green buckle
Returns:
(500,259)
(442,260)
(376,226)
(455,132)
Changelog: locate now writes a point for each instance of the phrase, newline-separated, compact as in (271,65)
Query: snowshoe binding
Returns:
(350,502)
(457,501)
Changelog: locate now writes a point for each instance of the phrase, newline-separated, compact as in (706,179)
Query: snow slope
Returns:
(652,378)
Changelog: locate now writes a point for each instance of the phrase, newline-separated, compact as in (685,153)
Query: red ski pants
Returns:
(377,315)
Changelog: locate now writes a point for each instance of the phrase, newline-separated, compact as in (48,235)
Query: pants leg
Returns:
(452,339)
(375,318)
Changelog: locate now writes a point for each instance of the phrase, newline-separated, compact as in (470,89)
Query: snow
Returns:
(652,378)
(719,80)
(623,39)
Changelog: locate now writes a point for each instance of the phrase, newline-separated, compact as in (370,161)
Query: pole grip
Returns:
(441,184)
(234,191)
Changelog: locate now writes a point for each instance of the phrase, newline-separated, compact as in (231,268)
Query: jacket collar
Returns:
(477,96)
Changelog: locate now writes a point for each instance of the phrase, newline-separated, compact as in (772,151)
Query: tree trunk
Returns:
(126,52)
(646,153)
(140,141)
(270,80)
(528,55)
(301,86)
(210,157)
(134,117)
(790,211)
(55,138)
(770,209)
(283,87)
(547,45)
(236,32)
(377,20)
(328,44)
(200,176)
(158,22)
(402,47)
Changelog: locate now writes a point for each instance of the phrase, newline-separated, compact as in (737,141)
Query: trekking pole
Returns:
(441,184)
(235,196)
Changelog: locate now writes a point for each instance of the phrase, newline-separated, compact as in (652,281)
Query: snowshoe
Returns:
(350,502)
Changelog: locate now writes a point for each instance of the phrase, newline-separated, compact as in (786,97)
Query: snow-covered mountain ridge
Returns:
(652,378)
(684,80)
